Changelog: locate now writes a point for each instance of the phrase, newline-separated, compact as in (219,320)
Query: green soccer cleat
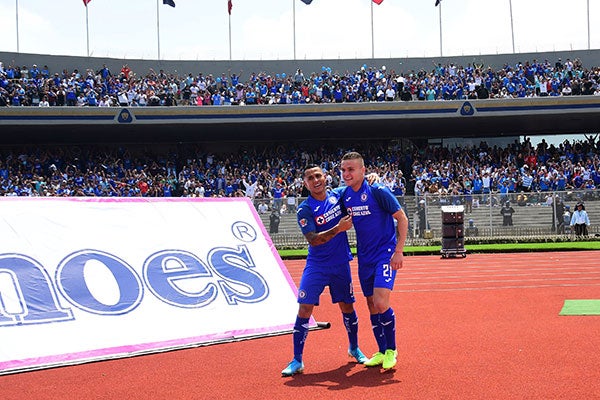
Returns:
(389,359)
(376,360)
(358,355)
(293,368)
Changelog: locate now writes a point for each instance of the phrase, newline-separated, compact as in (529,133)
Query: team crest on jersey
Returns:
(303,222)
(332,200)
(320,220)
(301,294)
(363,197)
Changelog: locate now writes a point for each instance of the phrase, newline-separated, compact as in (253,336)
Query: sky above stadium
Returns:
(325,29)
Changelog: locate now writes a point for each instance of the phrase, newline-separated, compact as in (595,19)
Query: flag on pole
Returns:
(229,6)
(307,1)
(169,2)
(86,2)
(437,2)
(377,1)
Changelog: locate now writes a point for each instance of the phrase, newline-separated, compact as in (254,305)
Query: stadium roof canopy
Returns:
(361,121)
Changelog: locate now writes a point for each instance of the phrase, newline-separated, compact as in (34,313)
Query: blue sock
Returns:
(300,334)
(351,324)
(388,321)
(378,332)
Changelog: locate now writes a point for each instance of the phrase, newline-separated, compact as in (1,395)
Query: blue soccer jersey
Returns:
(327,264)
(318,216)
(372,219)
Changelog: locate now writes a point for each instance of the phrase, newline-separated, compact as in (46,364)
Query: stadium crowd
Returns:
(38,86)
(270,174)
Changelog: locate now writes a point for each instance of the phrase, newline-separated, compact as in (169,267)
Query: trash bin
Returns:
(453,231)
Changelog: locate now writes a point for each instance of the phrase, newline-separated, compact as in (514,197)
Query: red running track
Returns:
(482,327)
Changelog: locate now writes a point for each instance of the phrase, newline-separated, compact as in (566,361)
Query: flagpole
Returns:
(158,30)
(440,13)
(230,37)
(588,21)
(17,17)
(87,30)
(512,29)
(372,35)
(294,24)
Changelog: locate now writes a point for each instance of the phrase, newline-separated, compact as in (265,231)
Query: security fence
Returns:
(487,216)
(512,214)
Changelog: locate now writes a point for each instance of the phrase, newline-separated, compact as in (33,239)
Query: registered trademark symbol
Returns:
(243,231)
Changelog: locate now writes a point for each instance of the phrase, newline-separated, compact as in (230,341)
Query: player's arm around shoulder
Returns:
(317,238)
(402,231)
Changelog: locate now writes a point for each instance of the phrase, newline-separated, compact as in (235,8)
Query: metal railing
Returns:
(533,215)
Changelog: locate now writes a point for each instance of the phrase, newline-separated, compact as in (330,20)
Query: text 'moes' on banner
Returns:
(89,279)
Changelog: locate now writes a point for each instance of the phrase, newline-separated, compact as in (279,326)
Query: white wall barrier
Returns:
(85,279)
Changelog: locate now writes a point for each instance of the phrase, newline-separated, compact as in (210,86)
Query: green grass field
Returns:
(478,248)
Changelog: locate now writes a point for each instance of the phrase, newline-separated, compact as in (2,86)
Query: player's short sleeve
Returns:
(339,191)
(386,198)
(305,217)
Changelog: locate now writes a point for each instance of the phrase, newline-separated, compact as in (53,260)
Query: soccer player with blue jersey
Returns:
(381,227)
(324,224)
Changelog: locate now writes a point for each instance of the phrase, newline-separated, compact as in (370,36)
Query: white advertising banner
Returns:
(93,278)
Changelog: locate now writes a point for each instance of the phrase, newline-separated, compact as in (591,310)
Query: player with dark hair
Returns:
(323,223)
(381,228)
